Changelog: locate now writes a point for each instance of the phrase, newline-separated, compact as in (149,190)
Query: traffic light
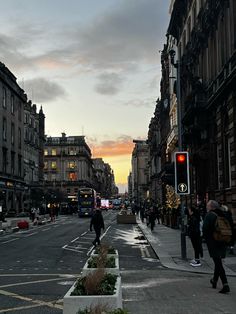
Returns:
(182,185)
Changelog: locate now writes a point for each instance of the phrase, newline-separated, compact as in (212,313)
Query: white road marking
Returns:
(31,234)
(75,239)
(46,229)
(84,233)
(29,282)
(10,240)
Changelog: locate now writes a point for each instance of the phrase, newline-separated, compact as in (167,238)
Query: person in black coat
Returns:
(195,236)
(217,250)
(97,223)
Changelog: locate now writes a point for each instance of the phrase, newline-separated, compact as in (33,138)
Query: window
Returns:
(4,98)
(4,160)
(227,161)
(45,165)
(68,190)
(53,177)
(19,111)
(12,104)
(19,137)
(54,165)
(4,129)
(72,152)
(45,152)
(12,162)
(12,133)
(19,165)
(54,152)
(72,176)
(71,164)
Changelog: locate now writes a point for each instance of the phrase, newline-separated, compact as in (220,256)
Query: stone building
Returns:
(205,34)
(140,157)
(12,101)
(105,178)
(67,166)
(154,164)
(33,153)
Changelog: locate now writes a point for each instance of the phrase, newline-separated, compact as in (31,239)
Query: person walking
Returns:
(97,223)
(217,249)
(152,218)
(195,236)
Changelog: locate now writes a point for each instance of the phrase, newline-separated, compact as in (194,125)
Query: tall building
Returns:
(140,171)
(205,34)
(33,154)
(68,166)
(105,178)
(12,101)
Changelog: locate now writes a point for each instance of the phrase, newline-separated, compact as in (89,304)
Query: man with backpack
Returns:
(215,230)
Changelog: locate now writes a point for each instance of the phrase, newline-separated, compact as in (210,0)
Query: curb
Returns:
(167,260)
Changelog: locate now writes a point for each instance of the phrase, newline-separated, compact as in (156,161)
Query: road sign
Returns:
(182,185)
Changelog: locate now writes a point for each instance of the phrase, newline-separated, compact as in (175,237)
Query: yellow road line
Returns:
(38,302)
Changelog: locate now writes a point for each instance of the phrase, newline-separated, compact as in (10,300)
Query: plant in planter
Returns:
(96,283)
(96,288)
(100,262)
(102,309)
(105,248)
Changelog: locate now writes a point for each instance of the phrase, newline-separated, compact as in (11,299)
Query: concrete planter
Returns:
(86,270)
(126,219)
(72,304)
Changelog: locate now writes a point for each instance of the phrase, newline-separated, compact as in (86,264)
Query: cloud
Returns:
(123,145)
(120,38)
(43,90)
(138,103)
(109,84)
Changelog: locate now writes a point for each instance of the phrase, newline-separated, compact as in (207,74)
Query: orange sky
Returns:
(118,155)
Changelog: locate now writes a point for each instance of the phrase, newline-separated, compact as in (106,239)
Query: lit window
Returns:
(72,164)
(54,152)
(72,176)
(54,165)
(45,152)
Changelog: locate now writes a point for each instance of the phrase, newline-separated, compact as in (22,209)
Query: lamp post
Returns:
(177,65)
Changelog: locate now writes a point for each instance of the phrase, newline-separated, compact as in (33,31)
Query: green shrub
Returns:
(95,261)
(101,310)
(96,283)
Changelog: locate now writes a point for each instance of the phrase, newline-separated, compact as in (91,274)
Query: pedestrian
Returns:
(195,236)
(97,223)
(152,218)
(52,213)
(142,212)
(217,249)
(33,214)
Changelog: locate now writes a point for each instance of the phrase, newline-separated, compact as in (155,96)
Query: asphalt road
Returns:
(37,267)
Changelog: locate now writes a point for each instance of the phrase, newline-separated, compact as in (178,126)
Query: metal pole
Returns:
(179,116)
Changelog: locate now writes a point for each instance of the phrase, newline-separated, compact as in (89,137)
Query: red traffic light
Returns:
(181,158)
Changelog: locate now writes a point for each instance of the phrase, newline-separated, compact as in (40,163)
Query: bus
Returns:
(86,201)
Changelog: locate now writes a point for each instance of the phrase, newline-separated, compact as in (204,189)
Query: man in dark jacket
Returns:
(97,223)
(195,236)
(217,250)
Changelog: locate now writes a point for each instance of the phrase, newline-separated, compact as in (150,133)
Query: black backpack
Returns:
(223,230)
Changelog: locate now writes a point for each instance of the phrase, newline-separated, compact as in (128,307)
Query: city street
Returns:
(38,266)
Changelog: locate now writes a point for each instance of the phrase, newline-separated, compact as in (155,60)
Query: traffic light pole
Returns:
(179,117)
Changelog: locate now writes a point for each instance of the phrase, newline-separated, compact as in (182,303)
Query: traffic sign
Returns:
(182,185)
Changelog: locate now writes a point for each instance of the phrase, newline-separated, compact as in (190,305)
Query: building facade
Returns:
(205,34)
(140,156)
(67,166)
(12,101)
(33,154)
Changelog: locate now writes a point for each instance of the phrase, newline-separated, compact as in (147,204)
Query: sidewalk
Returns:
(166,243)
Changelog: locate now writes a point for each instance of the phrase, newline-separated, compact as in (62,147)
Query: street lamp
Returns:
(177,65)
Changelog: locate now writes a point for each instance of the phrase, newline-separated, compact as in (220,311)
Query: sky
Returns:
(93,65)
